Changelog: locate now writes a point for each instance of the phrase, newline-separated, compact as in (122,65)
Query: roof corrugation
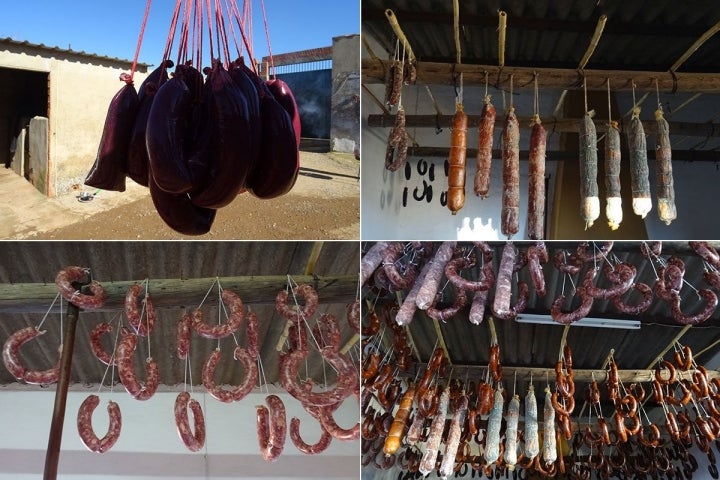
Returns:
(39,262)
(48,48)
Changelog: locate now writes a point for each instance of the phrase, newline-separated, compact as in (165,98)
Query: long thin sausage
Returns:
(397,430)
(457,160)
(426,294)
(427,464)
(510,214)
(549,448)
(639,172)
(663,159)
(453,439)
(511,432)
(371,261)
(613,207)
(532,442)
(536,182)
(589,199)
(406,312)
(486,129)
(492,442)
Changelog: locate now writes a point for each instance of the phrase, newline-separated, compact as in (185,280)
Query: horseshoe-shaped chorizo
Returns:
(96,343)
(271,428)
(295,314)
(193,441)
(145,325)
(711,302)
(85,429)
(644,304)
(234,320)
(577,314)
(64,281)
(126,371)
(11,358)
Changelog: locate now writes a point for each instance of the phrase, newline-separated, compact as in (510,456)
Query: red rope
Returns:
(171,32)
(267,35)
(210,30)
(140,39)
(248,45)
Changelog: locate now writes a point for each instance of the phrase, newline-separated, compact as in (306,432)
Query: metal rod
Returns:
(58,418)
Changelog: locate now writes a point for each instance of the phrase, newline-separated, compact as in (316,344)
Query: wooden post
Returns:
(56,425)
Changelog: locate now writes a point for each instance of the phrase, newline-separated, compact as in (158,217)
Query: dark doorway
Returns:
(23,95)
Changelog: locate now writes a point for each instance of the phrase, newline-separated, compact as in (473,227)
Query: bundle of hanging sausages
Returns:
(198,142)
(388,267)
(141,315)
(406,432)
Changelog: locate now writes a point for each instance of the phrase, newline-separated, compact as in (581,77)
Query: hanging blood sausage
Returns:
(108,171)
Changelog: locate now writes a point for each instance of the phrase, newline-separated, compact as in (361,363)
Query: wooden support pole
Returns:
(179,293)
(559,125)
(697,44)
(392,19)
(441,73)
(52,455)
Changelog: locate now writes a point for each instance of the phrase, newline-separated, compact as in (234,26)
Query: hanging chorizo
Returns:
(483,161)
(85,428)
(639,172)
(453,439)
(457,159)
(510,214)
(426,295)
(589,199)
(613,207)
(536,181)
(142,320)
(69,275)
(427,464)
(663,159)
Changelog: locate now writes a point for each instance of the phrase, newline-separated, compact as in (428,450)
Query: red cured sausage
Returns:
(347,378)
(711,302)
(457,159)
(486,128)
(663,159)
(96,343)
(647,297)
(353,316)
(537,254)
(510,214)
(308,448)
(238,393)
(291,312)
(145,323)
(11,350)
(108,171)
(235,318)
(183,336)
(193,441)
(327,332)
(448,312)
(271,428)
(126,371)
(570,317)
(536,182)
(85,428)
(66,277)
(406,312)
(371,261)
(426,295)
(399,424)
(329,425)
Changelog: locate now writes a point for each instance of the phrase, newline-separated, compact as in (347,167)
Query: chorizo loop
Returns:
(271,428)
(193,441)
(85,429)
(66,277)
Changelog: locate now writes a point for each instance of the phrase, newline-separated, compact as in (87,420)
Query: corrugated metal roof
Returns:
(54,49)
(39,262)
(642,35)
(538,346)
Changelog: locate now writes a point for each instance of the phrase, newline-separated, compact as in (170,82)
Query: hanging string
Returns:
(48,312)
(585,93)
(140,39)
(512,106)
(486,84)
(171,31)
(657,93)
(267,35)
(609,108)
(536,101)
(633,95)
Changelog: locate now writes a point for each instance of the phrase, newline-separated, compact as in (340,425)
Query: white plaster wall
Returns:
(79,96)
(149,447)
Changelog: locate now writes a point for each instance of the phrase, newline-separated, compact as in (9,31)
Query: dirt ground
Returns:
(324,204)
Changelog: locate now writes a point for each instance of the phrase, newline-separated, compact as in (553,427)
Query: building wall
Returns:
(80,90)
(345,127)
(312,91)
(149,447)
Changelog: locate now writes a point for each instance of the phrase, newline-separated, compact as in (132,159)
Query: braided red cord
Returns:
(140,39)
